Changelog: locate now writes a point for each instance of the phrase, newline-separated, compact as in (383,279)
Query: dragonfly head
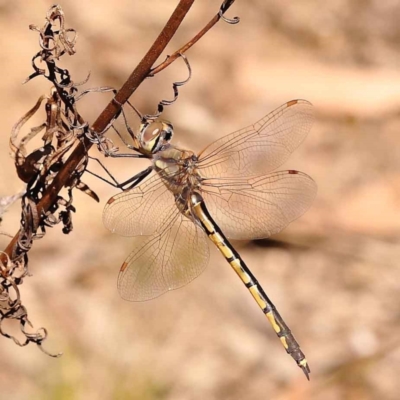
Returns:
(153,136)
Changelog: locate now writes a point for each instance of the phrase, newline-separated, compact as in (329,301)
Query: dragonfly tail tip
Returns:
(306,370)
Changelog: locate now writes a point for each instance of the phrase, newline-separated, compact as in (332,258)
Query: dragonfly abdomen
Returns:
(286,337)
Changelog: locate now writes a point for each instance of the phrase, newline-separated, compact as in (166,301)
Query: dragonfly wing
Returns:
(259,148)
(139,211)
(169,259)
(258,207)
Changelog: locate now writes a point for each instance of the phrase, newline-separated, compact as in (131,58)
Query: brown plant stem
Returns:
(135,79)
(188,45)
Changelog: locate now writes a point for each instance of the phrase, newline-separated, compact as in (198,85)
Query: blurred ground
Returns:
(337,283)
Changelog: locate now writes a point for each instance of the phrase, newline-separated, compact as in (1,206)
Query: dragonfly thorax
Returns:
(178,171)
(153,136)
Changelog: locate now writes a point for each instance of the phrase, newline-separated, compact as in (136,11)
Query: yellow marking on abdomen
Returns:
(257,296)
(303,362)
(237,266)
(284,342)
(203,218)
(219,241)
(272,320)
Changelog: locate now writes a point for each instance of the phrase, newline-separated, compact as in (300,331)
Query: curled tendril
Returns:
(11,308)
(224,7)
(175,86)
(19,312)
(105,145)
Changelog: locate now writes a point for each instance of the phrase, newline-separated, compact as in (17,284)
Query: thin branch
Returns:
(191,42)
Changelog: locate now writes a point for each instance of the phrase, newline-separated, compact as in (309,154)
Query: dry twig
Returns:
(46,170)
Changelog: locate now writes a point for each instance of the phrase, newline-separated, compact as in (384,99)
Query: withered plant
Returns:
(67,137)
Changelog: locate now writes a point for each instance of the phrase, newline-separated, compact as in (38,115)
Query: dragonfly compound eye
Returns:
(167,131)
(154,135)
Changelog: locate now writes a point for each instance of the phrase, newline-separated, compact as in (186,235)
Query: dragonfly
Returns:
(230,190)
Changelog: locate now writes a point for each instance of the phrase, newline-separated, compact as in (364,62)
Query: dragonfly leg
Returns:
(132,182)
(232,256)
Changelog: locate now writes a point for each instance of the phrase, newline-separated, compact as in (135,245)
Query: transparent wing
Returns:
(259,148)
(167,260)
(139,211)
(258,207)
